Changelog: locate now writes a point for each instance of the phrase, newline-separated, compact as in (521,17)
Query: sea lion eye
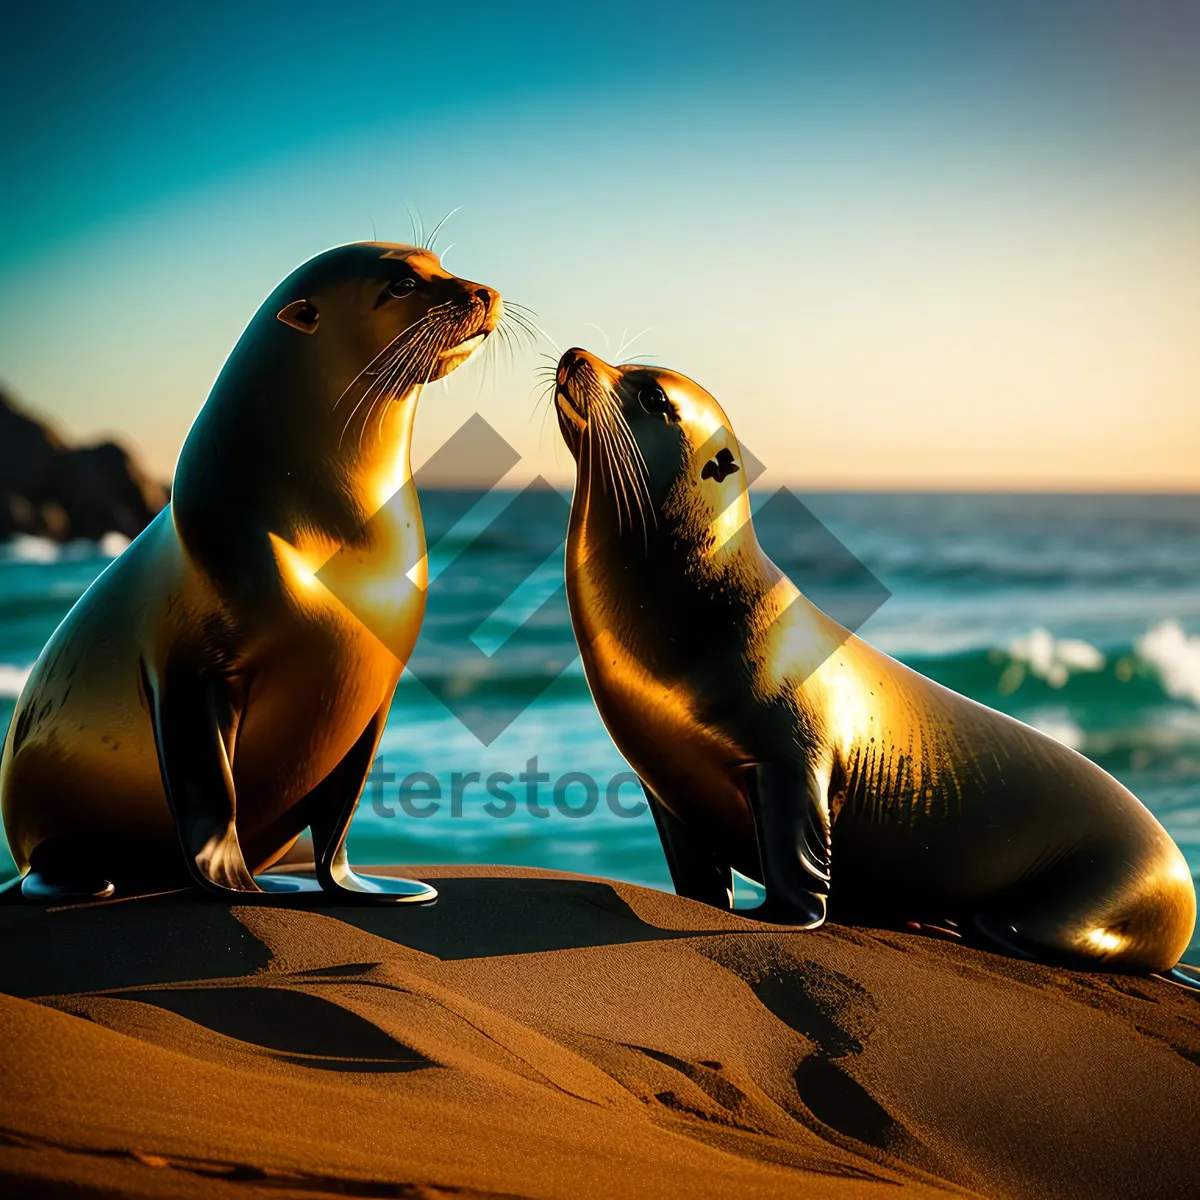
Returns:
(404,286)
(654,400)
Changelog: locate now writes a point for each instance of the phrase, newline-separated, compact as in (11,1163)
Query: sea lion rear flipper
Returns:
(330,805)
(192,721)
(791,825)
(1183,976)
(695,870)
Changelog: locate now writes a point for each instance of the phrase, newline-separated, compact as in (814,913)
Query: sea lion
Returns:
(209,691)
(771,741)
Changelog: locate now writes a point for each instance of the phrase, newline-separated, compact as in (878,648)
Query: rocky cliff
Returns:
(50,489)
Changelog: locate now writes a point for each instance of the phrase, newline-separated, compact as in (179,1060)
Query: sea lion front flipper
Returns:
(791,824)
(50,887)
(192,721)
(330,806)
(695,870)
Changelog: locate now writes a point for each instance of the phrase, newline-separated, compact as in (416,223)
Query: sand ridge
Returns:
(539,1034)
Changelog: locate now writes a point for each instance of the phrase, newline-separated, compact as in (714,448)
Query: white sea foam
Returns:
(12,680)
(1175,657)
(1055,659)
(26,548)
(1059,726)
(112,544)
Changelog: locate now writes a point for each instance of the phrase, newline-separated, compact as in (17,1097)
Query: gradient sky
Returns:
(921,245)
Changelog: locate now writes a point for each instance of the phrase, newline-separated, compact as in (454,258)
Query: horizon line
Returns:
(933,489)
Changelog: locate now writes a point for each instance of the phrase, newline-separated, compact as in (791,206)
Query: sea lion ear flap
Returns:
(301,315)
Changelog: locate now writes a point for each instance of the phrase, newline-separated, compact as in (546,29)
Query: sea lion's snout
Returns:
(568,364)
(572,362)
(578,374)
(489,304)
(482,309)
(431,321)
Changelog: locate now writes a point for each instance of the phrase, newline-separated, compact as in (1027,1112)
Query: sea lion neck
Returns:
(303,483)
(617,576)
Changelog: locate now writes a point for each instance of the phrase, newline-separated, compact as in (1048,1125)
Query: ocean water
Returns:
(1077,614)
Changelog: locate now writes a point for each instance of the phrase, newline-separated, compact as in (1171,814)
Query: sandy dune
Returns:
(540,1035)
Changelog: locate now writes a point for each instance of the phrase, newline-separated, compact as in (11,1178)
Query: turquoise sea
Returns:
(1078,614)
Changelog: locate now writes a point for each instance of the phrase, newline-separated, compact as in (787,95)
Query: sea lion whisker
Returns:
(506,342)
(378,363)
(410,346)
(378,387)
(424,382)
(639,473)
(486,359)
(494,348)
(607,463)
(621,473)
(530,314)
(541,329)
(598,407)
(515,323)
(429,244)
(520,338)
(418,226)
(515,313)
(588,445)
(545,392)
(624,462)
(620,465)
(626,345)
(601,332)
(393,395)
(544,402)
(349,420)
(396,388)
(640,486)
(518,322)
(370,368)
(601,459)
(381,380)
(388,377)
(622,423)
(614,412)
(429,320)
(389,395)
(510,348)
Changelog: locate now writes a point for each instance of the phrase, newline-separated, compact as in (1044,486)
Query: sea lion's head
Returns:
(310,421)
(391,312)
(350,332)
(653,450)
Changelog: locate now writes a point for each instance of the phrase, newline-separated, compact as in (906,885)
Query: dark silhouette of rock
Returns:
(50,489)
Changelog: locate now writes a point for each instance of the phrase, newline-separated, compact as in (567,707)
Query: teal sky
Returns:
(905,245)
